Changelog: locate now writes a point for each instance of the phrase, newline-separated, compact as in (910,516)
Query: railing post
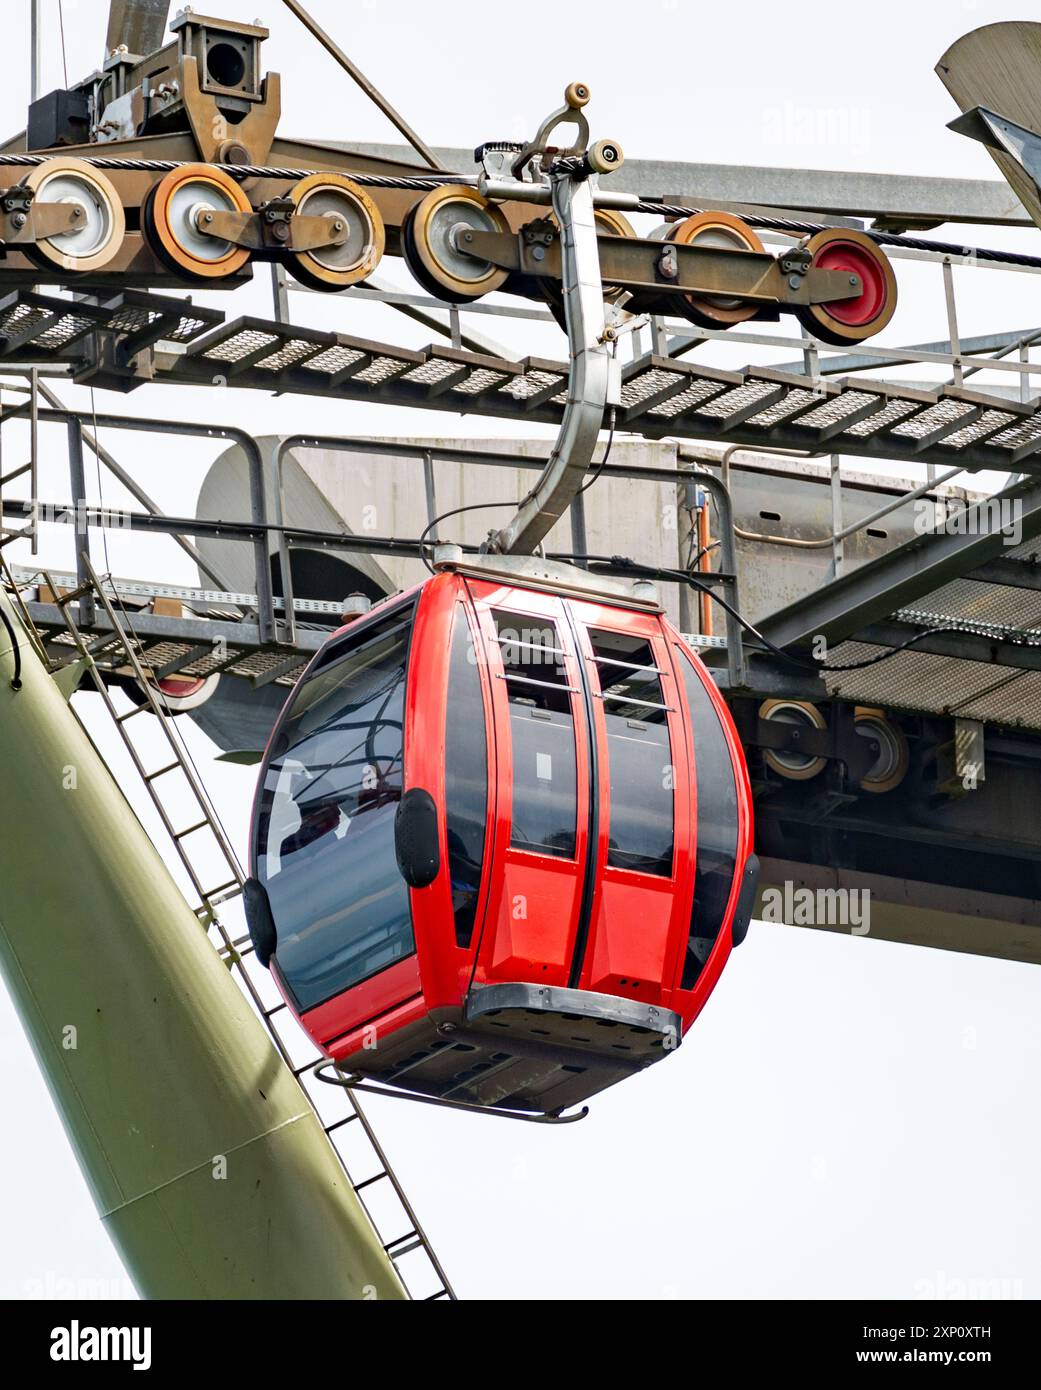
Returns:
(258,515)
(81,530)
(838,556)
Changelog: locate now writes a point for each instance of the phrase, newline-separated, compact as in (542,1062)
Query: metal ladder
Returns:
(232,951)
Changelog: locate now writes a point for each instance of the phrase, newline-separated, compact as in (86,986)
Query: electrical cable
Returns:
(456,511)
(623,562)
(603,462)
(477,506)
(16,651)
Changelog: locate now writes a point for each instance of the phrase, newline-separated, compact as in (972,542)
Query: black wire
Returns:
(477,506)
(607,454)
(650,572)
(882,656)
(456,511)
(815,666)
(696,559)
(16,651)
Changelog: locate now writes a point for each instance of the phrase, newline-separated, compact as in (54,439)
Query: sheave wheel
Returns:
(98,233)
(171,221)
(429,249)
(726,232)
(336,267)
(850,320)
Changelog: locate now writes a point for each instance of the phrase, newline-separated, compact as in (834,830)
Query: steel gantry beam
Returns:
(852,601)
(895,200)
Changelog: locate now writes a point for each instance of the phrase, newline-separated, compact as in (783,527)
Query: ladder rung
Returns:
(236,948)
(211,895)
(338,1124)
(63,600)
(367,1182)
(191,829)
(398,1240)
(129,714)
(151,776)
(417,1244)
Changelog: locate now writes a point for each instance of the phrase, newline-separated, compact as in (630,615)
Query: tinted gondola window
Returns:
(639,755)
(543,735)
(325,828)
(466,779)
(716,824)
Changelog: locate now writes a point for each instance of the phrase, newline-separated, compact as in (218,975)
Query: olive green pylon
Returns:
(207,1164)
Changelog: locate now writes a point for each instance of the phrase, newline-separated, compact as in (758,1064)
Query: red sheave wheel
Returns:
(843,321)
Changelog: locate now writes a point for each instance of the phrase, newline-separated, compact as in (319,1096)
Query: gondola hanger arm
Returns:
(594,381)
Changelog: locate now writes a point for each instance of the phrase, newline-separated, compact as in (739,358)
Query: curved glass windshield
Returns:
(325,823)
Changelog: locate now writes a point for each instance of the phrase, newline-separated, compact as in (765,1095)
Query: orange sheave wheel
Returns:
(724,231)
(428,244)
(340,199)
(171,221)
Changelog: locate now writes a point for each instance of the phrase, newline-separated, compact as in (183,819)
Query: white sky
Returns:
(849,1118)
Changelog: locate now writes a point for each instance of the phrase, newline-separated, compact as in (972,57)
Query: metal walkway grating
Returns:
(933,683)
(660,395)
(205,641)
(39,328)
(756,406)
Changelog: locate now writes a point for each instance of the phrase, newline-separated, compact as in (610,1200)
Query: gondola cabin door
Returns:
(592,836)
(544,833)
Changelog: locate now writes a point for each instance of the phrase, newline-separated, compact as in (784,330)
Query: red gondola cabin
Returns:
(502,838)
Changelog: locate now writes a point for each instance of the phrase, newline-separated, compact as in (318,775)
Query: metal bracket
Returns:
(274,226)
(252,135)
(650,269)
(527,163)
(496,157)
(23,219)
(796,261)
(354,1083)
